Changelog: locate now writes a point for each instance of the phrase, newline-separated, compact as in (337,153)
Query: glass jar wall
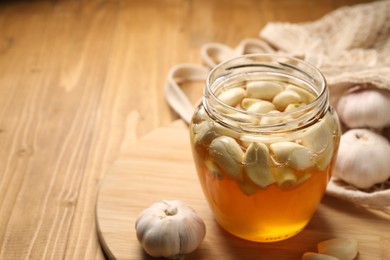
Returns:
(264,141)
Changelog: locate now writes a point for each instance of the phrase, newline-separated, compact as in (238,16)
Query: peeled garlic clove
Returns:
(285,177)
(373,114)
(319,139)
(317,256)
(305,95)
(293,154)
(295,110)
(342,248)
(213,169)
(295,106)
(356,147)
(248,139)
(226,152)
(284,98)
(263,90)
(256,165)
(318,136)
(303,178)
(232,97)
(247,102)
(199,115)
(223,130)
(261,107)
(247,187)
(204,132)
(271,119)
(325,158)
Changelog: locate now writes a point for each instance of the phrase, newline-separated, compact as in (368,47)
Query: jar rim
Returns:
(278,63)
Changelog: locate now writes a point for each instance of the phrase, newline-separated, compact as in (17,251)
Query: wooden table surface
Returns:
(80,80)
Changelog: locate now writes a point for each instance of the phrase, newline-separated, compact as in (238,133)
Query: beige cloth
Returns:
(350,45)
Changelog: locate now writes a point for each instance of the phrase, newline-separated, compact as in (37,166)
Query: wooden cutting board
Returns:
(159,166)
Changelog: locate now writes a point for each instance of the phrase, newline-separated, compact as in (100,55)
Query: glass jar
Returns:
(264,141)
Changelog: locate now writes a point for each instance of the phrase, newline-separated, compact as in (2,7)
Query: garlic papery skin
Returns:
(169,229)
(365,108)
(363,158)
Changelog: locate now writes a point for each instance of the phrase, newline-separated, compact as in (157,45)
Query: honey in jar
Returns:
(264,141)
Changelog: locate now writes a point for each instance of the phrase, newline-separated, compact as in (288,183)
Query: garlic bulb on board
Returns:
(365,108)
(170,229)
(363,158)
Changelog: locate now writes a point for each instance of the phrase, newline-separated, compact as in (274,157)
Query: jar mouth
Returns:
(268,66)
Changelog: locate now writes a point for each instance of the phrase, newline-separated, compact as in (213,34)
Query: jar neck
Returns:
(264,67)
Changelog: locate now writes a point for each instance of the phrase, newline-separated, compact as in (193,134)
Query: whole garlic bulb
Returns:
(365,108)
(363,158)
(170,229)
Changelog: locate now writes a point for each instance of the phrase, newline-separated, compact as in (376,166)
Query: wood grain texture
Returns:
(160,167)
(72,73)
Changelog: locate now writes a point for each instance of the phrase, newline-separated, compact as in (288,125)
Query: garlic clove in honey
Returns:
(304,94)
(270,120)
(285,177)
(247,139)
(325,158)
(170,229)
(294,155)
(204,132)
(365,108)
(261,106)
(247,187)
(256,165)
(319,138)
(220,130)
(295,106)
(363,158)
(247,102)
(213,169)
(199,116)
(232,97)
(264,90)
(228,155)
(285,98)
